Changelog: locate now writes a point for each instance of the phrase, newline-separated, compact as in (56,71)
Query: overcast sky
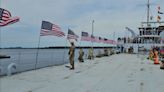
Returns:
(110,16)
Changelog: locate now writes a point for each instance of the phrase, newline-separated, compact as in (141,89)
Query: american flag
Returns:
(108,41)
(6,18)
(97,39)
(85,36)
(100,39)
(51,29)
(93,38)
(105,40)
(159,12)
(113,42)
(72,35)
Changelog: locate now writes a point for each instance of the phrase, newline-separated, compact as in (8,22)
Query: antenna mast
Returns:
(148,10)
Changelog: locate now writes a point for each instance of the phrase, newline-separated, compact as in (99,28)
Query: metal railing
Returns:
(25,59)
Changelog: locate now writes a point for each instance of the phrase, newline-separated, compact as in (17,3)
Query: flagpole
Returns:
(0,46)
(0,30)
(65,49)
(80,40)
(92,34)
(0,38)
(148,11)
(37,52)
(92,31)
(113,40)
(0,50)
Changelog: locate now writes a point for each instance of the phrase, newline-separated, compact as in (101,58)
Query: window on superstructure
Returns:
(140,32)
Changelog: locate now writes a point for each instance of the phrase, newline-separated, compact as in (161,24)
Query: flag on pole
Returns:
(159,12)
(158,18)
(6,18)
(151,17)
(72,35)
(48,28)
(114,42)
(105,40)
(100,39)
(159,7)
(85,36)
(110,41)
(93,38)
(97,39)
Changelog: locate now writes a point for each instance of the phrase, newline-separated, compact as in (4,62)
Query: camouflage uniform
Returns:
(90,54)
(71,55)
(81,54)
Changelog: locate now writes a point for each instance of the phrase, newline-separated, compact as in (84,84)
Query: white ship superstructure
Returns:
(149,35)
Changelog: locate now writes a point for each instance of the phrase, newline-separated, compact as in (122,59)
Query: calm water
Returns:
(25,59)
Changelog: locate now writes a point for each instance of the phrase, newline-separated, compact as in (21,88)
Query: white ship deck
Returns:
(117,73)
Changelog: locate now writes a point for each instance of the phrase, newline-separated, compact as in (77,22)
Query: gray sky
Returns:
(109,15)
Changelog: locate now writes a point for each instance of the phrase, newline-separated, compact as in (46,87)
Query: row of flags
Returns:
(6,18)
(49,28)
(86,37)
(159,13)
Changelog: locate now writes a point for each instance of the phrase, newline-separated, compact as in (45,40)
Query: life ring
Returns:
(10,67)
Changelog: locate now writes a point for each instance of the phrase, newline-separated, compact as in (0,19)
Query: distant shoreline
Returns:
(58,47)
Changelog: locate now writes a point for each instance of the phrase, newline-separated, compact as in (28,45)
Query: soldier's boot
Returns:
(72,68)
(82,60)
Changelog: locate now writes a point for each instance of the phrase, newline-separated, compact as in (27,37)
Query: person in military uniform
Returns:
(71,55)
(90,54)
(81,54)
(105,52)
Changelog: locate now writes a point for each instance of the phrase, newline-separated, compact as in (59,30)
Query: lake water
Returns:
(25,59)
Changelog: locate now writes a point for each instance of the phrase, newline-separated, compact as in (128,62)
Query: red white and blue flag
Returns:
(48,28)
(114,42)
(101,40)
(159,12)
(6,18)
(105,40)
(108,41)
(85,36)
(72,35)
(93,39)
(97,39)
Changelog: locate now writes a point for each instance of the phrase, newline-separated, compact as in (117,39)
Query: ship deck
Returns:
(116,73)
